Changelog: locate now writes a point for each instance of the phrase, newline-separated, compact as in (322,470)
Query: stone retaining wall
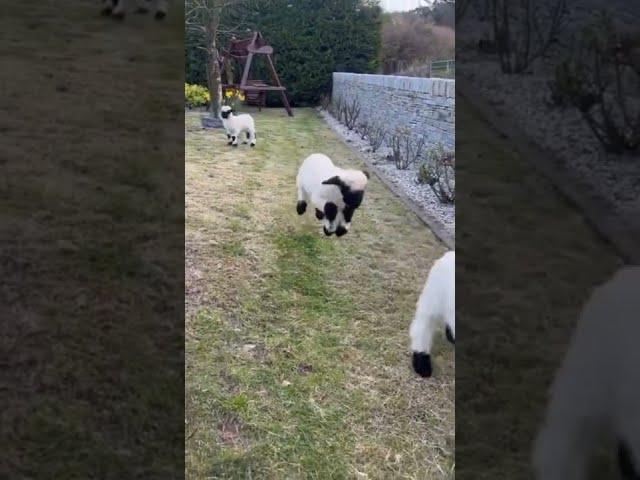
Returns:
(425,105)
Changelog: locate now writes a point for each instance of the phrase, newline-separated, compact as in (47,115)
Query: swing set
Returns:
(244,52)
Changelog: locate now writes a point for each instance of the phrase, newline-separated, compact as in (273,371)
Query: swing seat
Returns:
(262,88)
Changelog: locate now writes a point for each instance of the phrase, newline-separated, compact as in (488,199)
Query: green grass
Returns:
(297,362)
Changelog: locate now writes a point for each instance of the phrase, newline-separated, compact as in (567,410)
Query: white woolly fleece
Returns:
(318,168)
(436,305)
(596,391)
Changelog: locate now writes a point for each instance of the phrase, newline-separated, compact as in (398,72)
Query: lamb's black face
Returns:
(352,198)
(225,113)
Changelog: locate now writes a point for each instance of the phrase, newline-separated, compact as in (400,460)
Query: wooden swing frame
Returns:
(256,90)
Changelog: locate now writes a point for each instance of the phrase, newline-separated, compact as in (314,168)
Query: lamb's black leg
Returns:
(144,8)
(118,15)
(628,470)
(450,335)
(107,9)
(422,364)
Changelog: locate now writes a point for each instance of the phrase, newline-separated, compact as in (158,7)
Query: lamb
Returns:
(436,306)
(117,8)
(596,391)
(335,192)
(234,125)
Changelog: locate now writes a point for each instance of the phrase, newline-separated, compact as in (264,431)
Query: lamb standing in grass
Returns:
(436,306)
(235,125)
(117,8)
(335,192)
(596,391)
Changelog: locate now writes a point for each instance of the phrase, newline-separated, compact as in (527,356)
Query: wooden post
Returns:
(245,74)
(274,74)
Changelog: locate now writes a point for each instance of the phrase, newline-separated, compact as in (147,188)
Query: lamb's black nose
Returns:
(340,231)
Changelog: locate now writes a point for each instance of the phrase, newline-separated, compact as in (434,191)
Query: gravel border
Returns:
(438,217)
(605,187)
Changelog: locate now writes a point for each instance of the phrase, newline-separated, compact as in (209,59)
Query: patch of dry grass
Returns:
(297,344)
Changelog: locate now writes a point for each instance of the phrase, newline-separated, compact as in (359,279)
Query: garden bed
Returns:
(439,216)
(523,100)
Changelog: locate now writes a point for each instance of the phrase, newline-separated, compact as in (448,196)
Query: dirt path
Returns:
(297,344)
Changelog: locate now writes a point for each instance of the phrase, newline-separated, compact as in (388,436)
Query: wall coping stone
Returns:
(437,87)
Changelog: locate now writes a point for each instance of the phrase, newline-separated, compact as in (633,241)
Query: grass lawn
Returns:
(297,362)
(91,296)
(527,262)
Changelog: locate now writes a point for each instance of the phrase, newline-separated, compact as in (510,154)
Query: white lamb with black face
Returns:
(596,392)
(236,125)
(436,307)
(118,8)
(335,192)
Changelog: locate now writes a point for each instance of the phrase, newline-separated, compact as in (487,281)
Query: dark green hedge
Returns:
(312,39)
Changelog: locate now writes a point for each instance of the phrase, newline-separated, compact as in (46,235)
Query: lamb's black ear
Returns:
(334,181)
(366,174)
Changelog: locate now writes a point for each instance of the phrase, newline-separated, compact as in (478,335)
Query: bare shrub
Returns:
(406,148)
(351,112)
(325,101)
(600,79)
(524,30)
(363,129)
(377,134)
(336,108)
(439,173)
(461,7)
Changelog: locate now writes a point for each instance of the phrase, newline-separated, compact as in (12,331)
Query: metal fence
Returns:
(443,68)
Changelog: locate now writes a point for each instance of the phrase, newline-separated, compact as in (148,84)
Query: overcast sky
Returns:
(400,5)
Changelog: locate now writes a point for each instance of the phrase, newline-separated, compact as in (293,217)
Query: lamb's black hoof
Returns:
(229,143)
(628,470)
(118,16)
(340,231)
(301,207)
(160,15)
(327,232)
(253,145)
(319,214)
(106,11)
(450,337)
(234,144)
(142,10)
(422,364)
